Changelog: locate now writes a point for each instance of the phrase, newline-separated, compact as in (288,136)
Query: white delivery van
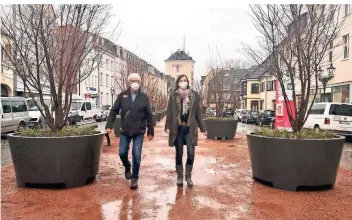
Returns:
(85,109)
(37,119)
(334,116)
(14,113)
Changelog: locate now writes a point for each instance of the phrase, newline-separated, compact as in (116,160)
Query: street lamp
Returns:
(112,90)
(324,79)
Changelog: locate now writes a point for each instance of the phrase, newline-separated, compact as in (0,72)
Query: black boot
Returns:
(189,175)
(128,173)
(134,184)
(179,170)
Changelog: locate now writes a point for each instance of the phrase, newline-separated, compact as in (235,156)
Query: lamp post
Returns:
(112,90)
(324,79)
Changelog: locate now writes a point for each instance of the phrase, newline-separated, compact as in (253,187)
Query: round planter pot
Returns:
(290,164)
(224,129)
(117,127)
(73,161)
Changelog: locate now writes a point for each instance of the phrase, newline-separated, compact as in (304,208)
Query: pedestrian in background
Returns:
(182,122)
(136,115)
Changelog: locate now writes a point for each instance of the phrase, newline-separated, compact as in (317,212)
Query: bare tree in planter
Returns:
(294,43)
(219,86)
(121,80)
(52,43)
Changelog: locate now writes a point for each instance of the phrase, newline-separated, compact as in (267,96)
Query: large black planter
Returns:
(291,164)
(221,129)
(73,161)
(117,127)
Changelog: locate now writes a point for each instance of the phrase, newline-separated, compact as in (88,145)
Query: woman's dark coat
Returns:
(174,113)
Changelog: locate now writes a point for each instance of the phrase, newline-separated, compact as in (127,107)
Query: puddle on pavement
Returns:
(203,201)
(111,210)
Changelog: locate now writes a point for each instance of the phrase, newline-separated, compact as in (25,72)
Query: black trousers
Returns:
(184,138)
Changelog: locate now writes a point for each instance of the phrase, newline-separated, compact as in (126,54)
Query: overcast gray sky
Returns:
(152,29)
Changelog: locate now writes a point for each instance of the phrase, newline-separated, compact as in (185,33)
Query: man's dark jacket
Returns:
(135,116)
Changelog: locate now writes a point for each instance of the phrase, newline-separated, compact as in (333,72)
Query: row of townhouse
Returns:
(103,84)
(110,78)
(258,91)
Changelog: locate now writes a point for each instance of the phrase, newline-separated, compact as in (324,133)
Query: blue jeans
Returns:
(136,152)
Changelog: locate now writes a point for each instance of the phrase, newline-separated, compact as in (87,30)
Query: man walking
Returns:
(136,115)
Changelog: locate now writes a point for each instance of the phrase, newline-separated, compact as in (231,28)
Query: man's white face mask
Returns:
(135,86)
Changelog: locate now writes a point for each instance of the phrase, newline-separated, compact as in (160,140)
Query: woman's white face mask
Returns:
(183,85)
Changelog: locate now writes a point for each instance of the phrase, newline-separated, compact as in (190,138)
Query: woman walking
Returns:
(182,122)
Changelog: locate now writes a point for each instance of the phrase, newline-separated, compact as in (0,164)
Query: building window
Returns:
(112,81)
(107,80)
(255,88)
(101,98)
(346,52)
(269,85)
(112,66)
(347,11)
(262,87)
(107,98)
(107,64)
(254,105)
(331,46)
(101,78)
(96,80)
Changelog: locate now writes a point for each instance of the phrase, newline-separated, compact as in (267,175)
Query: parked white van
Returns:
(14,113)
(75,115)
(331,116)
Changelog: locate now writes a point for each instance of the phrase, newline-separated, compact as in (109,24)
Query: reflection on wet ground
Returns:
(224,189)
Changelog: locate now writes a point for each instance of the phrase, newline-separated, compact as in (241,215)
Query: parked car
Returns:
(265,117)
(331,116)
(36,118)
(210,112)
(105,111)
(228,112)
(272,123)
(14,113)
(250,117)
(242,114)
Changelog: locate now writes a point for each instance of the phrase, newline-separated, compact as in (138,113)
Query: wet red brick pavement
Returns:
(223,189)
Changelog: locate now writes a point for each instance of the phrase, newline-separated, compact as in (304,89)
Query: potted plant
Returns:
(55,47)
(221,85)
(296,39)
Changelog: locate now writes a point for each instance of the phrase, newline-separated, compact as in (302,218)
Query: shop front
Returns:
(91,95)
